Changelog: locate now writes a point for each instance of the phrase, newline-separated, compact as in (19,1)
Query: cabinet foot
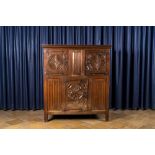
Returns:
(51,117)
(45,117)
(107,116)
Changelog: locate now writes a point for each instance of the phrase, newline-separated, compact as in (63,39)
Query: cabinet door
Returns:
(96,62)
(99,93)
(77,94)
(56,62)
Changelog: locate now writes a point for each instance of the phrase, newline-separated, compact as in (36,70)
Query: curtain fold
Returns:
(132,63)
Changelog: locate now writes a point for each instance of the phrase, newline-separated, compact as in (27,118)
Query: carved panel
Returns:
(54,94)
(58,62)
(95,63)
(98,98)
(76,92)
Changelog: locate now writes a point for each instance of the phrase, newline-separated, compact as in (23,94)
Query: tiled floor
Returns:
(118,119)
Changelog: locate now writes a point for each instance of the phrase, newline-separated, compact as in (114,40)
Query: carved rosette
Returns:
(76,95)
(58,62)
(95,63)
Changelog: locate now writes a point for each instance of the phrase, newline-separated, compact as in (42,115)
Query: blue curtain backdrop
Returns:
(132,63)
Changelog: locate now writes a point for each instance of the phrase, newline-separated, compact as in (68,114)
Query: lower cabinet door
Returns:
(77,94)
(99,93)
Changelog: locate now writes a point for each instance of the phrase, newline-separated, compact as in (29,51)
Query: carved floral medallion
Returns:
(95,63)
(76,94)
(58,62)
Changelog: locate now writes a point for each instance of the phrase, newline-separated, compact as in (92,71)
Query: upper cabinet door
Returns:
(56,62)
(96,62)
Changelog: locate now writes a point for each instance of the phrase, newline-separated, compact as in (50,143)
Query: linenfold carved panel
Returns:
(95,63)
(76,94)
(54,97)
(58,62)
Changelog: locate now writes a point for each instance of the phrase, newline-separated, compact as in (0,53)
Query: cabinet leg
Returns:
(51,117)
(107,116)
(45,117)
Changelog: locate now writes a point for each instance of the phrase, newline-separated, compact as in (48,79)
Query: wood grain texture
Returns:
(76,62)
(76,79)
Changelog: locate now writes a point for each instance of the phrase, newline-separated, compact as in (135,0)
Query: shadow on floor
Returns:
(73,117)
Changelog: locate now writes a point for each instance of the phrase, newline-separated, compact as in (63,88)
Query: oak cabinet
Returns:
(76,79)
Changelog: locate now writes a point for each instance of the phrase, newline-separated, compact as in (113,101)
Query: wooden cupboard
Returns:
(76,79)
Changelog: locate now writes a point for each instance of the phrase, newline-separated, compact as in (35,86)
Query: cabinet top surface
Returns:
(77,46)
